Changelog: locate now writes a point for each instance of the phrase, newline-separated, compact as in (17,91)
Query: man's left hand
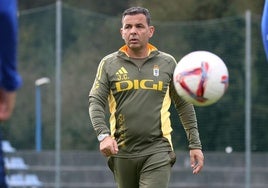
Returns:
(197,160)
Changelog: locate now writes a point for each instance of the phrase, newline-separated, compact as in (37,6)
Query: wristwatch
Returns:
(102,136)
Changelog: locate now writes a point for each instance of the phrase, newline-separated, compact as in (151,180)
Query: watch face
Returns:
(102,136)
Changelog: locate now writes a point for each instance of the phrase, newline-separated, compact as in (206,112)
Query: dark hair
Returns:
(138,10)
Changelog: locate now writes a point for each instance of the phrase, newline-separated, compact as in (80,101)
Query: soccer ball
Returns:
(201,78)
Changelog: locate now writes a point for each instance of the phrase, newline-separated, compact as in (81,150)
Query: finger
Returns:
(198,166)
(197,169)
(103,150)
(115,147)
(106,153)
(103,153)
(192,161)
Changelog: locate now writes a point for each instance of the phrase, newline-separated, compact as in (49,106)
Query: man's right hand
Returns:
(108,146)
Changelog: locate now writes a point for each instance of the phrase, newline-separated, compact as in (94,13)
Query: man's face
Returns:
(136,32)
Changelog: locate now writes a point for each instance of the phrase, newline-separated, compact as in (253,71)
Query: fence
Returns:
(88,36)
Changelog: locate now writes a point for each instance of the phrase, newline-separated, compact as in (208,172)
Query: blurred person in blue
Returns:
(264,26)
(10,79)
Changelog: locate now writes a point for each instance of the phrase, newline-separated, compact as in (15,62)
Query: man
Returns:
(10,80)
(137,83)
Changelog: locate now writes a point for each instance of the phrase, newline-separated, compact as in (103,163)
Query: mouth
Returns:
(133,40)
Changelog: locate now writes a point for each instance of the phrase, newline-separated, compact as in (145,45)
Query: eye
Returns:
(127,26)
(140,26)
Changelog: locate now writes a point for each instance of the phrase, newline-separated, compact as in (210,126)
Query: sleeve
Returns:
(9,77)
(264,27)
(98,97)
(188,118)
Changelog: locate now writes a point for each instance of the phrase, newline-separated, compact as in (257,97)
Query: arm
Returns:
(97,102)
(188,118)
(98,97)
(10,79)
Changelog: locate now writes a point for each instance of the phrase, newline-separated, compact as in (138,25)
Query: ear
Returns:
(151,30)
(121,31)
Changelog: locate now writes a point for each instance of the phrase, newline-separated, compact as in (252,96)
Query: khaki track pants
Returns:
(152,171)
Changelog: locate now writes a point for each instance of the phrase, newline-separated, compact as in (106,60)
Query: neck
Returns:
(139,53)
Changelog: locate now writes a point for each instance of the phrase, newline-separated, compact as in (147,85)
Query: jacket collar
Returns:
(150,47)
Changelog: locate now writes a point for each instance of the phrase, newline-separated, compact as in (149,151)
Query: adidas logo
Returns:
(122,74)
(122,70)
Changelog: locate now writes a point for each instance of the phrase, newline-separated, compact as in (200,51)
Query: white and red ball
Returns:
(201,78)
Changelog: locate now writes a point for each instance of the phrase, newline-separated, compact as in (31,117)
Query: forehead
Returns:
(134,19)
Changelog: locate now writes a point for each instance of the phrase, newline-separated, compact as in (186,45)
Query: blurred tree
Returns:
(180,10)
(29,4)
(112,8)
(162,10)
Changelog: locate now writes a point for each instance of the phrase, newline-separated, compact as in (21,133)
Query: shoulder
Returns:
(108,62)
(167,57)
(108,59)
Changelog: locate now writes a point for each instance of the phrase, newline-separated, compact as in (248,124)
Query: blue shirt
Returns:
(264,26)
(10,79)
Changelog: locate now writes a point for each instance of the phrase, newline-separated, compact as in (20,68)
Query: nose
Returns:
(133,30)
